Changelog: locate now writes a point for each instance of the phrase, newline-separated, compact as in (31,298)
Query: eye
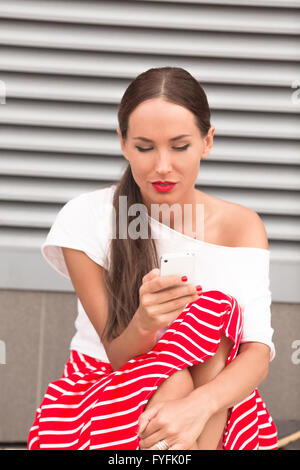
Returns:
(182,148)
(141,149)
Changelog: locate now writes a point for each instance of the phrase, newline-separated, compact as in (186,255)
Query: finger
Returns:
(175,447)
(143,422)
(151,275)
(145,418)
(171,447)
(174,306)
(187,293)
(152,440)
(161,283)
(151,434)
(148,432)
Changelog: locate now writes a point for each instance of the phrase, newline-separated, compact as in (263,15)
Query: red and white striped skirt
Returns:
(94,407)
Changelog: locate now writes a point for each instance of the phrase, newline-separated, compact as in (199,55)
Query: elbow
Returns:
(263,360)
(264,356)
(260,353)
(266,368)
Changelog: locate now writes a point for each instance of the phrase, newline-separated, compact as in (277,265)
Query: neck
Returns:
(187,218)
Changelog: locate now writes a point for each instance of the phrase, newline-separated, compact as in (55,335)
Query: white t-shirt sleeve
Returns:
(257,307)
(80,224)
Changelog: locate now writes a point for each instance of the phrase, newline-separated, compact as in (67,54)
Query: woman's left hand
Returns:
(178,422)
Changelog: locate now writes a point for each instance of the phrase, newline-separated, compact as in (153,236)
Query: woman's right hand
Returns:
(159,307)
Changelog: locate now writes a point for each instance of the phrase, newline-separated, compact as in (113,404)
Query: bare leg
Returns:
(178,385)
(204,373)
(182,382)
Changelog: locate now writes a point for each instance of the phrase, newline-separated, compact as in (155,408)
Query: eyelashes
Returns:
(180,149)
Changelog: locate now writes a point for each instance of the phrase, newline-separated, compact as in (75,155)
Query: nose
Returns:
(164,163)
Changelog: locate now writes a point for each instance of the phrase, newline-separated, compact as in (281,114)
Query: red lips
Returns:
(163,182)
(163,188)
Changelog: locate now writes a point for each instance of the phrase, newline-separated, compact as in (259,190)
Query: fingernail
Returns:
(184,278)
(199,287)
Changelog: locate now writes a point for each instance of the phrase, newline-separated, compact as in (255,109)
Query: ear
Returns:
(208,142)
(122,143)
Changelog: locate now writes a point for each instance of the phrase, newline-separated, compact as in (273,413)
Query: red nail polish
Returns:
(184,278)
(199,287)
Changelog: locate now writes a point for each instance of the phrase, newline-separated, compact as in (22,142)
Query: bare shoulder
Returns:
(231,224)
(245,227)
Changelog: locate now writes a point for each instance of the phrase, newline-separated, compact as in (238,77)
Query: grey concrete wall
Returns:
(281,389)
(37,328)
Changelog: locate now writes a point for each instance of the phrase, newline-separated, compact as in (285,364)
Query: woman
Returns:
(146,351)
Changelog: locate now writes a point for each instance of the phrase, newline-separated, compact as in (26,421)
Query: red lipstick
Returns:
(163,186)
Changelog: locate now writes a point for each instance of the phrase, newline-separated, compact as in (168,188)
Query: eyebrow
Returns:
(172,140)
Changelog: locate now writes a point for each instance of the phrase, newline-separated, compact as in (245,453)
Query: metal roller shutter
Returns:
(64,67)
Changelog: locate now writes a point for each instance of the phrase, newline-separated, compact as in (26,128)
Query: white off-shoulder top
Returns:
(86,223)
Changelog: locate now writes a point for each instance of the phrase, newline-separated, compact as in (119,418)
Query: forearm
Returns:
(236,381)
(132,342)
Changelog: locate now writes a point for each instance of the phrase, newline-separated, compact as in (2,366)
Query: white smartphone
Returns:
(182,263)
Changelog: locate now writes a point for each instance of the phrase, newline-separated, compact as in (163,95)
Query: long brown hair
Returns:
(131,259)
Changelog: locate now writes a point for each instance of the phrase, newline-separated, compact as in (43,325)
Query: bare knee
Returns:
(208,370)
(177,386)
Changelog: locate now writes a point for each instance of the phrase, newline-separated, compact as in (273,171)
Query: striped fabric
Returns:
(94,407)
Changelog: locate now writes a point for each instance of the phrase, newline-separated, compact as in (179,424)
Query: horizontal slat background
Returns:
(256,3)
(65,66)
(181,16)
(149,41)
(207,69)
